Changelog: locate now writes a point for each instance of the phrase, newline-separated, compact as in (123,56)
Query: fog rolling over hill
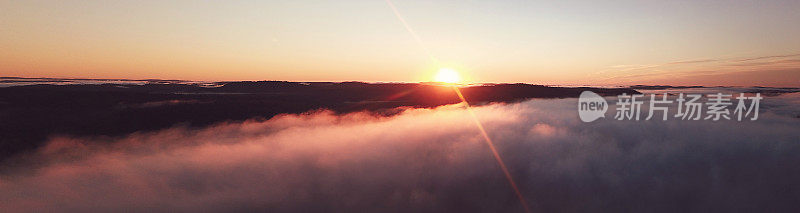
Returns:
(32,110)
(421,160)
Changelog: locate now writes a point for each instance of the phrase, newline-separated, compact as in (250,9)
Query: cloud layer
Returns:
(424,160)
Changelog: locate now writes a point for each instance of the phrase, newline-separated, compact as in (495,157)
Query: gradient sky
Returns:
(741,43)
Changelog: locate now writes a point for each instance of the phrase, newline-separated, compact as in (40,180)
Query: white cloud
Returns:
(427,160)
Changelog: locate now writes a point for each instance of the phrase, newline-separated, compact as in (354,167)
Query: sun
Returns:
(447,75)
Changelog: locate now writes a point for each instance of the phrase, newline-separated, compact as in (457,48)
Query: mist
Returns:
(424,160)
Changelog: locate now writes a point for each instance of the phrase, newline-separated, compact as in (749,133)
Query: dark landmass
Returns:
(767,91)
(656,87)
(30,114)
(25,81)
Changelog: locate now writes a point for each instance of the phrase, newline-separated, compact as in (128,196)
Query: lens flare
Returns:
(496,154)
(450,76)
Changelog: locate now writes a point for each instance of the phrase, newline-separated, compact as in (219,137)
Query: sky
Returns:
(731,43)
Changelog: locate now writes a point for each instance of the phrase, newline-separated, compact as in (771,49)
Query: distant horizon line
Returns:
(371,82)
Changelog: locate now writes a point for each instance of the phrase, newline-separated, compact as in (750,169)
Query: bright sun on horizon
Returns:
(447,75)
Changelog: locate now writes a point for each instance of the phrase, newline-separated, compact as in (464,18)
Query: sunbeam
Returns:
(494,150)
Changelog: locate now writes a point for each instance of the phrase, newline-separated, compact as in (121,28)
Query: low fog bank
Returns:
(426,160)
